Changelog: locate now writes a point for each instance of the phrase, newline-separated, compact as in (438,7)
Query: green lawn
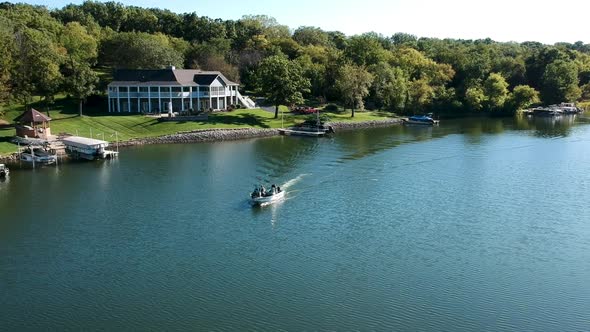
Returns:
(66,120)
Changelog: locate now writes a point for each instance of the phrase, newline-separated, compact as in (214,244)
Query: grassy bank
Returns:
(101,125)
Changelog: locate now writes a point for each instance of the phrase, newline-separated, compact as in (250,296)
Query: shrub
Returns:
(331,107)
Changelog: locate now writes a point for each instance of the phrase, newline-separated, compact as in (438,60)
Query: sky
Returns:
(501,20)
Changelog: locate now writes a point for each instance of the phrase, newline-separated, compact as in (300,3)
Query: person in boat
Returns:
(262,190)
(278,189)
(273,189)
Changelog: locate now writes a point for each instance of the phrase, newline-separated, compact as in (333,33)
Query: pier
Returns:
(88,148)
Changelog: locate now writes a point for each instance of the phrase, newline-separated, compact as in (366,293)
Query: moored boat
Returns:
(4,171)
(424,120)
(38,155)
(295,131)
(313,128)
(547,111)
(262,197)
(568,108)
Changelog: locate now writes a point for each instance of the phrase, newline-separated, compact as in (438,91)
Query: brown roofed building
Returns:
(156,90)
(34,124)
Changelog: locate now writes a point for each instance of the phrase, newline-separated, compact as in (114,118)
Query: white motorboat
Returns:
(261,197)
(4,171)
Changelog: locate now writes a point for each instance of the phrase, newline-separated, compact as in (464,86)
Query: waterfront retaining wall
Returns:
(211,135)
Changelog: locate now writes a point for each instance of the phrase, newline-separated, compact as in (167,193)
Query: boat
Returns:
(261,197)
(38,155)
(423,120)
(297,131)
(310,128)
(568,108)
(4,171)
(547,111)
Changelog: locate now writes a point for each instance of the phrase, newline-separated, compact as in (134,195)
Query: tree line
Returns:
(74,50)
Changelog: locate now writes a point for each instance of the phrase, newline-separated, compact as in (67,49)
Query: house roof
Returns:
(84,142)
(205,79)
(33,116)
(169,76)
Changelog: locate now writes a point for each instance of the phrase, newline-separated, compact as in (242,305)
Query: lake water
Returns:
(476,225)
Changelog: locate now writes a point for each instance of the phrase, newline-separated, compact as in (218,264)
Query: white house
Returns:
(152,90)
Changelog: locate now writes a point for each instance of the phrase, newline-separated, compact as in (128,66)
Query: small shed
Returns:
(33,124)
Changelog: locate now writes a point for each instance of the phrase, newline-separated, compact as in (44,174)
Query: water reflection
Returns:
(359,144)
(4,181)
(280,156)
(548,126)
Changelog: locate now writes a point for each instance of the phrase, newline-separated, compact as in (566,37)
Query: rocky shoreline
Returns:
(213,135)
(364,124)
(207,135)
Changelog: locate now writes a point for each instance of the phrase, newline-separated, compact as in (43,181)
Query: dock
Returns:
(295,132)
(88,148)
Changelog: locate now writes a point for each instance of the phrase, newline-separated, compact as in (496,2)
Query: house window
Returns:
(165,89)
(217,91)
(122,89)
(132,89)
(153,89)
(176,89)
(143,89)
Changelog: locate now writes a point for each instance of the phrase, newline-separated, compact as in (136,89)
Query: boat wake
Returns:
(293,181)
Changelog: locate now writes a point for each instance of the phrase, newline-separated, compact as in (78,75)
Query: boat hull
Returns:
(267,199)
(4,171)
(308,133)
(421,123)
(45,160)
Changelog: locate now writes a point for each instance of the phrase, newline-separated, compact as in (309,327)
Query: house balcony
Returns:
(164,95)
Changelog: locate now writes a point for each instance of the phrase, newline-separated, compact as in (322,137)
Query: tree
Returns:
(108,14)
(353,83)
(365,50)
(495,89)
(585,91)
(405,39)
(81,54)
(271,29)
(390,86)
(37,70)
(311,36)
(282,81)
(522,97)
(315,72)
(6,41)
(140,19)
(420,95)
(475,98)
(538,60)
(138,50)
(560,82)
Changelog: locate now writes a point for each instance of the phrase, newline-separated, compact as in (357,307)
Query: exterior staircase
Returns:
(246,101)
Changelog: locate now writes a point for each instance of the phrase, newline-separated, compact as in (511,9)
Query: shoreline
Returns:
(226,134)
